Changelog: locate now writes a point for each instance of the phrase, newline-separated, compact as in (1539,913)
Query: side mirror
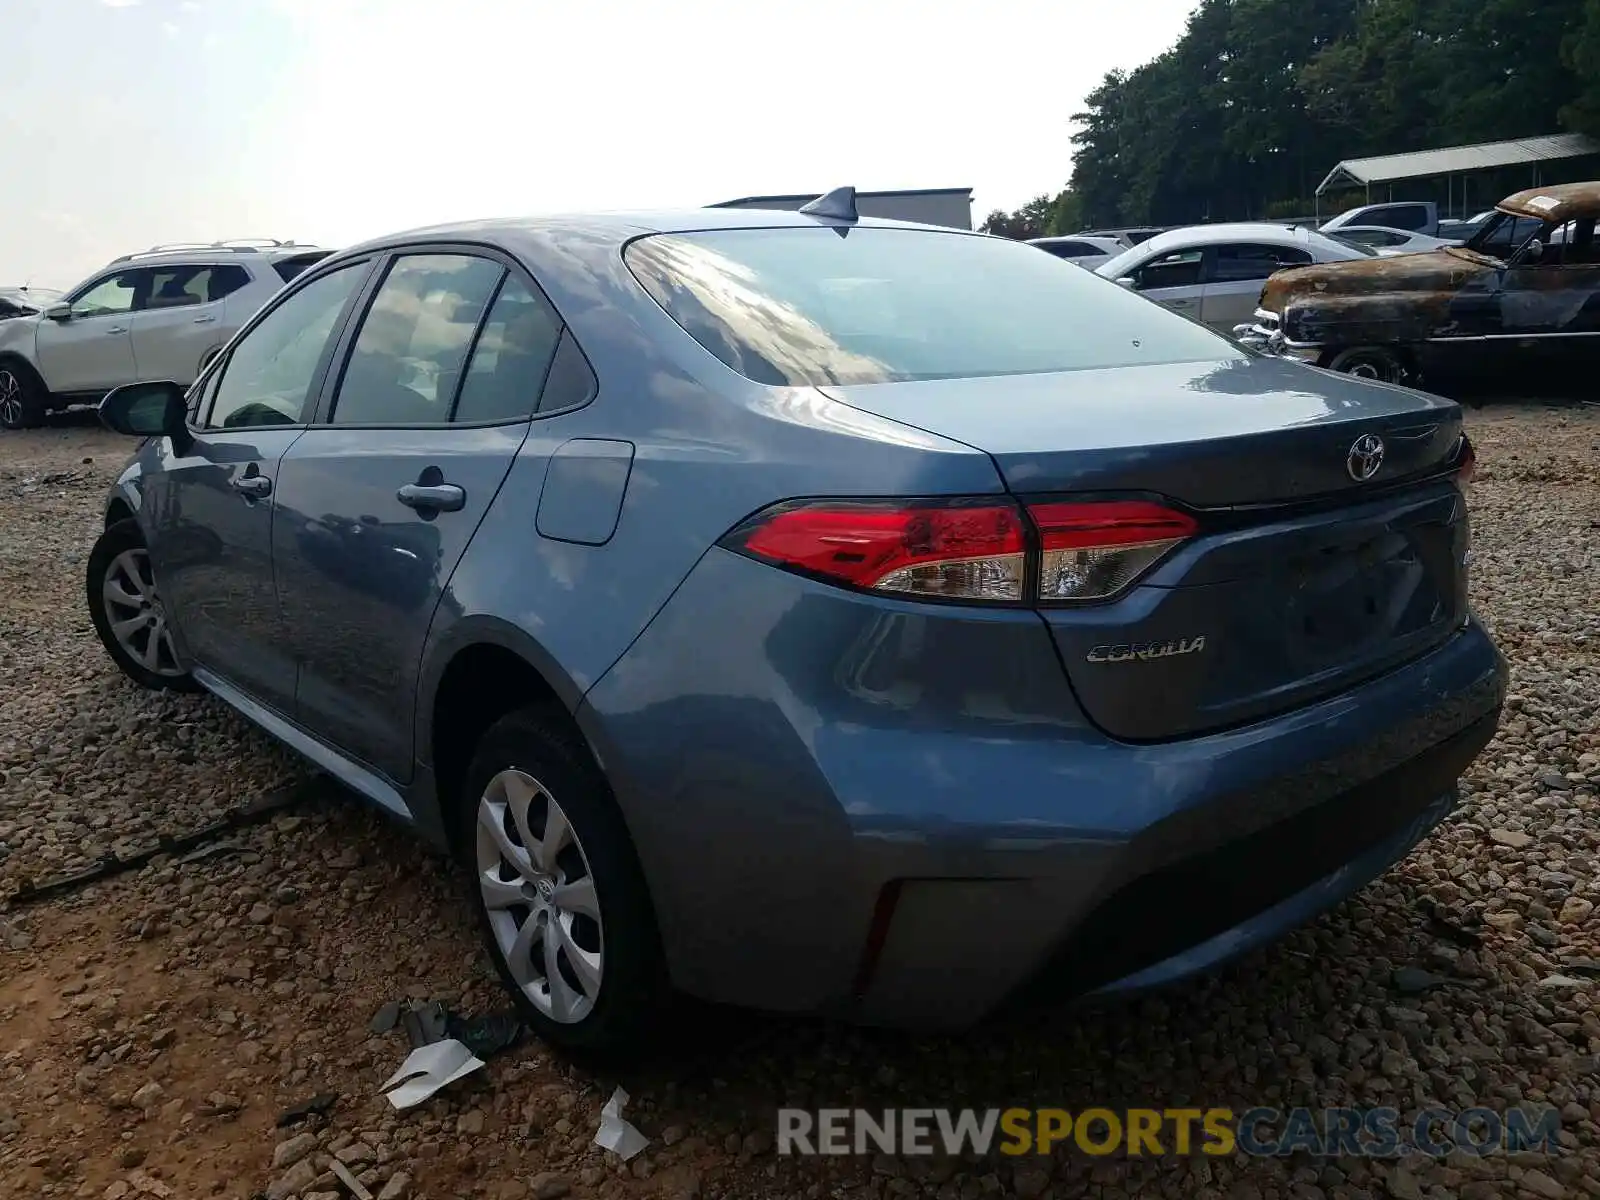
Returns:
(148,410)
(1129,282)
(59,312)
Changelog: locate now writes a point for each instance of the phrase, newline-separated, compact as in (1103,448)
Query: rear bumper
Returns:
(895,813)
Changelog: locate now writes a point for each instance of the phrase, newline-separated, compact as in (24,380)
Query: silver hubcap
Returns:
(10,398)
(539,893)
(1365,370)
(138,621)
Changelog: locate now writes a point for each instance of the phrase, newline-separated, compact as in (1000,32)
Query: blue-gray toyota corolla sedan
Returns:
(810,612)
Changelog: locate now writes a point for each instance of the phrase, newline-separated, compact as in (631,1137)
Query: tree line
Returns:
(1244,116)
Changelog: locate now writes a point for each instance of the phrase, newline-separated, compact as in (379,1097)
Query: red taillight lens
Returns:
(1093,550)
(974,550)
(971,551)
(1466,461)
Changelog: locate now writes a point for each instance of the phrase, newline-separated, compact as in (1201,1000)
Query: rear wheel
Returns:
(1370,362)
(561,899)
(128,613)
(22,396)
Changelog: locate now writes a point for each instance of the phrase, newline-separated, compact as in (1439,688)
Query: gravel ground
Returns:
(152,1027)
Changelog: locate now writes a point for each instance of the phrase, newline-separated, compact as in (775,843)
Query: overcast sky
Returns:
(129,122)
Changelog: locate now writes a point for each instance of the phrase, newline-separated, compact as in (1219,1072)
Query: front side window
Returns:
(409,353)
(115,294)
(813,306)
(268,376)
(511,358)
(1181,268)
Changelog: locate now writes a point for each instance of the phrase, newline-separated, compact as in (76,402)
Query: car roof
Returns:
(1558,203)
(177,254)
(621,227)
(1211,235)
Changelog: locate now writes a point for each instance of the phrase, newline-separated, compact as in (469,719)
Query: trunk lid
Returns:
(1303,580)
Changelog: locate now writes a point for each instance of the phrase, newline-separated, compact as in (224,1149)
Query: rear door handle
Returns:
(116,329)
(204,320)
(441,497)
(252,485)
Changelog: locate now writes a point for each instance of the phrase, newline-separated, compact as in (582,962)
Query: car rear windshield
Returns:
(288,268)
(814,306)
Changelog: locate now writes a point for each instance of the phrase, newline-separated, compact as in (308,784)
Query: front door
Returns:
(378,502)
(1172,280)
(92,349)
(212,505)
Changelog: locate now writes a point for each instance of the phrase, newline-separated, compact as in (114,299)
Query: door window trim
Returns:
(219,362)
(330,381)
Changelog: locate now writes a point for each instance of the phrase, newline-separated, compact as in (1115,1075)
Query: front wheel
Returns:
(1370,362)
(128,614)
(560,895)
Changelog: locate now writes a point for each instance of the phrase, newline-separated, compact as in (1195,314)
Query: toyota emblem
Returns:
(1365,458)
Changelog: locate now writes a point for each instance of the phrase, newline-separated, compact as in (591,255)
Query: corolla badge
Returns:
(1145,651)
(1365,458)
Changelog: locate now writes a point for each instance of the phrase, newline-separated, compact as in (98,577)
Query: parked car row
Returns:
(1526,285)
(158,314)
(876,625)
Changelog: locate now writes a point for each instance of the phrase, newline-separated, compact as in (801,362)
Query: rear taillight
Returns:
(1466,460)
(1093,550)
(968,550)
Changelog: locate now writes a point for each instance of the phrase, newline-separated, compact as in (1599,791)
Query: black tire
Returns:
(24,400)
(632,987)
(122,538)
(1370,362)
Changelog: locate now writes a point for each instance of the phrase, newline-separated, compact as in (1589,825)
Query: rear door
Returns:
(92,350)
(1173,280)
(380,498)
(180,322)
(210,509)
(1234,274)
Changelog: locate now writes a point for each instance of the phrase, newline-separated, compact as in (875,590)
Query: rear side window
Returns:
(511,358)
(1070,249)
(288,268)
(1243,262)
(412,346)
(816,306)
(1399,216)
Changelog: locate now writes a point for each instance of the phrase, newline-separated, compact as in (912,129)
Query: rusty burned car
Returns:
(1526,287)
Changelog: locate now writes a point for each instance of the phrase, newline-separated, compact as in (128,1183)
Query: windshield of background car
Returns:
(1504,234)
(813,306)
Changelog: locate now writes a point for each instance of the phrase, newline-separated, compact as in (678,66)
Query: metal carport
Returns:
(1456,160)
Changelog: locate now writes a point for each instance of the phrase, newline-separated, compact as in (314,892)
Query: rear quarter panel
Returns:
(710,448)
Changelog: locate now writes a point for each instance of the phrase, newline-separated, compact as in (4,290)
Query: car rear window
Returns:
(814,306)
(288,268)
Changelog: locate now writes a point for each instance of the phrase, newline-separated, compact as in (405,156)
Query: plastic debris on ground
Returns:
(616,1134)
(427,1069)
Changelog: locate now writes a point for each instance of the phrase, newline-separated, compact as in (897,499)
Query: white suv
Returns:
(160,314)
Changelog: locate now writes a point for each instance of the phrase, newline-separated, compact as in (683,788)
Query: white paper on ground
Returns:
(615,1134)
(427,1069)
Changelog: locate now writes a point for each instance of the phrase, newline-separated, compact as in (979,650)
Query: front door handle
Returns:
(116,329)
(252,485)
(441,497)
(204,320)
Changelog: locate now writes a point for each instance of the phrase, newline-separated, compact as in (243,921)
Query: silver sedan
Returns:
(1213,273)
